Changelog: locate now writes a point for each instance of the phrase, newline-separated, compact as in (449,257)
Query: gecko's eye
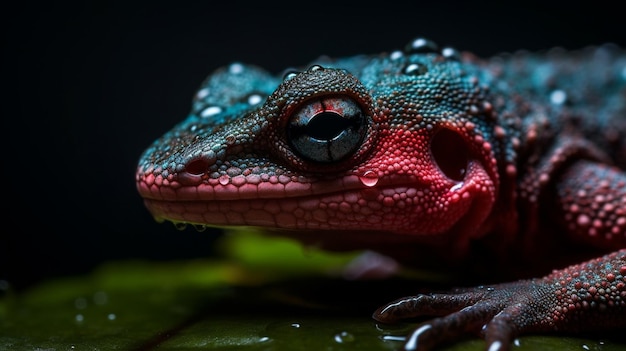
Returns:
(327,129)
(451,153)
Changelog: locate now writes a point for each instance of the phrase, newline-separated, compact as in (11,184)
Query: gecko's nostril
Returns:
(197,167)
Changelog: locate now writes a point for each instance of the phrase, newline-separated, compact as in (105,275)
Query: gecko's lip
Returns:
(238,188)
(321,205)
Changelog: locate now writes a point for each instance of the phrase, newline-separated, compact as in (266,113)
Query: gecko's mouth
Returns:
(353,203)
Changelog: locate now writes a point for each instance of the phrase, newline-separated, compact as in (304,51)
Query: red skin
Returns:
(451,170)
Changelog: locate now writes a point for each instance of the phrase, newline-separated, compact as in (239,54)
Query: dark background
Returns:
(88,86)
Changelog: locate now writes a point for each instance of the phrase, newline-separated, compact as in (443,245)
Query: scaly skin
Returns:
(436,158)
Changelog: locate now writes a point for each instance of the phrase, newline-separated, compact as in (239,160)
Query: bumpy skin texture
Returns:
(503,168)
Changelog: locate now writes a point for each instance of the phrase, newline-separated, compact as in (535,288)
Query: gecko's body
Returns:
(433,157)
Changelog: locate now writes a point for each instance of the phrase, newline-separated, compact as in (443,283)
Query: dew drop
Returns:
(278,330)
(199,227)
(421,46)
(558,97)
(180,225)
(202,93)
(79,318)
(254,99)
(415,69)
(111,316)
(395,55)
(210,111)
(224,180)
(343,337)
(450,53)
(369,178)
(289,74)
(314,68)
(235,68)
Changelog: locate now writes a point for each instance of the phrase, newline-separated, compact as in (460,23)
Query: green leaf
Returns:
(266,294)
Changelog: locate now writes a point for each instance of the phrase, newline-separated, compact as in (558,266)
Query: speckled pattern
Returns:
(433,156)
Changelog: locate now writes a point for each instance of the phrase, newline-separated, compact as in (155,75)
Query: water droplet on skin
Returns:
(558,97)
(343,337)
(396,55)
(235,68)
(421,45)
(199,227)
(415,69)
(290,74)
(224,180)
(369,178)
(202,93)
(254,99)
(210,111)
(180,225)
(315,68)
(450,53)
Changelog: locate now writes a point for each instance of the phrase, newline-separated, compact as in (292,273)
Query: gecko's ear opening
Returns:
(450,152)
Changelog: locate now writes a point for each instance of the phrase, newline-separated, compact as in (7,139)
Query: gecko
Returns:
(510,169)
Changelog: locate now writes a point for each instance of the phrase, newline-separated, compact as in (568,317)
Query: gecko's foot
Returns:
(497,313)
(590,296)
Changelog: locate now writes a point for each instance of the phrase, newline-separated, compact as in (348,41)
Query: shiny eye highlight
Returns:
(328,129)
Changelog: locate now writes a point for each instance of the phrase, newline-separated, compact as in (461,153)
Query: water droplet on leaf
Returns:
(344,337)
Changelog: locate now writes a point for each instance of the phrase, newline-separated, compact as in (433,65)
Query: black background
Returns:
(88,86)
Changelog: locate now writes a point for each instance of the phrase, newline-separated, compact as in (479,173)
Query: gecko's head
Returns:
(400,147)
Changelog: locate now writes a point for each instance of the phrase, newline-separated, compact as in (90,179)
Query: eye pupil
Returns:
(326,126)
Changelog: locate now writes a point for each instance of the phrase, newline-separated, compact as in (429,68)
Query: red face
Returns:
(325,152)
